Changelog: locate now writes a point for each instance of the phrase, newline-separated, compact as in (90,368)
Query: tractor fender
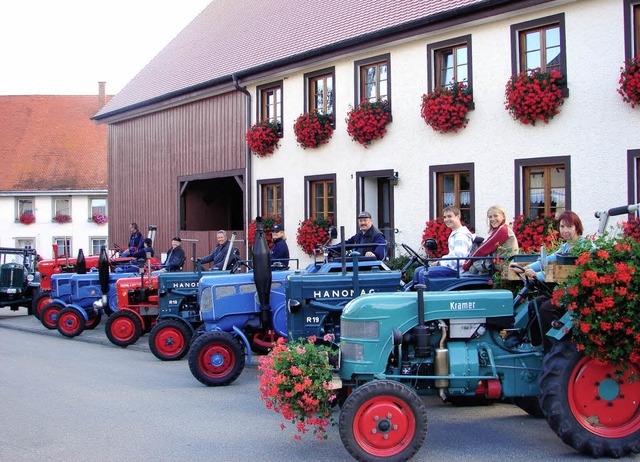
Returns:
(79,309)
(565,326)
(138,315)
(176,318)
(240,334)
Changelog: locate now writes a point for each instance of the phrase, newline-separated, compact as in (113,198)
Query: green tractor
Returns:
(18,278)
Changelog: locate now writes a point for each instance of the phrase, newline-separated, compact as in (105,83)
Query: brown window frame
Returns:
(435,52)
(310,209)
(54,205)
(517,50)
(436,173)
(262,199)
(631,28)
(263,93)
(521,181)
(310,100)
(360,67)
(633,176)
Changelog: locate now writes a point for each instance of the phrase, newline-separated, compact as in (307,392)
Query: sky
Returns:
(65,47)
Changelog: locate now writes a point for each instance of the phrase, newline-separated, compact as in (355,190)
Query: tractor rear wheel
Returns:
(216,358)
(383,420)
(42,299)
(49,315)
(530,405)
(70,322)
(263,341)
(169,340)
(123,328)
(92,323)
(591,408)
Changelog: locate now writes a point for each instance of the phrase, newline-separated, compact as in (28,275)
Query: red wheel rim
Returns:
(266,339)
(69,322)
(123,329)
(216,360)
(42,303)
(602,403)
(384,426)
(169,341)
(51,317)
(92,322)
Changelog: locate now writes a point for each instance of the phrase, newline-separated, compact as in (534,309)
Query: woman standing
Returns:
(280,249)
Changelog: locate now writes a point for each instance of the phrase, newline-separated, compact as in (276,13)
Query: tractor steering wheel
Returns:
(535,283)
(415,255)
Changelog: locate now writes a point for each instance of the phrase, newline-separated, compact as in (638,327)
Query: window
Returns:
(22,242)
(631,28)
(64,245)
(543,186)
(271,197)
(320,191)
(633,175)
(373,79)
(270,97)
(453,186)
(25,205)
(96,244)
(320,91)
(539,44)
(449,62)
(97,206)
(62,206)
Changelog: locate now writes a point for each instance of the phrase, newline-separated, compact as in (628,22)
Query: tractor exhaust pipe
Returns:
(103,274)
(262,273)
(81,263)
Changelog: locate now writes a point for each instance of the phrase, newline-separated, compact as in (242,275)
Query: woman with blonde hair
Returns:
(501,241)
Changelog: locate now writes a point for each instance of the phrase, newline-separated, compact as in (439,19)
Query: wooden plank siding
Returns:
(147,154)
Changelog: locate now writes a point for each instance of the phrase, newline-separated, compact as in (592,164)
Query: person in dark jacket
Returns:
(175,256)
(146,247)
(367,234)
(280,249)
(135,240)
(219,254)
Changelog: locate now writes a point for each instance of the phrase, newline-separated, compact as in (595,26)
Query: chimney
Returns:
(102,96)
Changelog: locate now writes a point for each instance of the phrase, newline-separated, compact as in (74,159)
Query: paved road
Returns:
(84,399)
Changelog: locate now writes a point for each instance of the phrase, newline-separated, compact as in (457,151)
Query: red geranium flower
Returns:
(311,232)
(630,81)
(367,121)
(313,129)
(533,95)
(445,110)
(262,138)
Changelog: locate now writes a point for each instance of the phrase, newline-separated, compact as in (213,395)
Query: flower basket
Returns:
(100,219)
(631,228)
(602,295)
(311,233)
(295,381)
(62,218)
(630,81)
(313,129)
(268,223)
(532,96)
(445,110)
(262,138)
(27,218)
(533,233)
(436,229)
(367,121)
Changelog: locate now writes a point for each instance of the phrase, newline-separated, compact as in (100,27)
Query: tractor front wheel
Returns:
(383,420)
(216,358)
(40,301)
(593,409)
(123,328)
(169,340)
(70,322)
(49,315)
(92,323)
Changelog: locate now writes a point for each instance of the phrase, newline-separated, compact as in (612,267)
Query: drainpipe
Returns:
(248,215)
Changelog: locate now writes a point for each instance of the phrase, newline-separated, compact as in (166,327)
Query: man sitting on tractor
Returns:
(175,256)
(135,241)
(366,235)
(219,254)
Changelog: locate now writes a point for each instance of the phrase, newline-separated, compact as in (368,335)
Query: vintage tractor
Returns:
(18,280)
(397,346)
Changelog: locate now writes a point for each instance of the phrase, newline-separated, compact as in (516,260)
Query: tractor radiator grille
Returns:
(12,276)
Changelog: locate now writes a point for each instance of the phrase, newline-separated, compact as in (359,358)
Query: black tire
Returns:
(170,340)
(92,323)
(383,420)
(216,358)
(41,299)
(49,315)
(123,328)
(587,405)
(262,342)
(530,405)
(71,323)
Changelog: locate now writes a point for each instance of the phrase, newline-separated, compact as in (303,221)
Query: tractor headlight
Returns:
(294,306)
(206,299)
(367,329)
(352,351)
(30,277)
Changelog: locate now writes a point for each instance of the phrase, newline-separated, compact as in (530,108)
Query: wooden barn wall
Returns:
(146,155)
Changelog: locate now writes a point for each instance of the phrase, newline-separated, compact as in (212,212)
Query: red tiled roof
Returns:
(50,143)
(232,36)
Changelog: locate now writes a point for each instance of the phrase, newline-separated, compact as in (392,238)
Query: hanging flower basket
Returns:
(262,138)
(436,229)
(311,232)
(533,233)
(313,129)
(367,121)
(268,223)
(100,219)
(445,110)
(532,96)
(630,81)
(27,218)
(62,218)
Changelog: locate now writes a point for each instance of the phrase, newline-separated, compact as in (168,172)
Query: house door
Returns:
(375,195)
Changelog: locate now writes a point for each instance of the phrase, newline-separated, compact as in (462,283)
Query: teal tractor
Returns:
(397,346)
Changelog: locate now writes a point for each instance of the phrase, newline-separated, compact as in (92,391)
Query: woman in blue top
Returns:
(571,229)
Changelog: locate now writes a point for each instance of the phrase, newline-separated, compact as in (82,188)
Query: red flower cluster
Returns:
(534,95)
(27,218)
(445,110)
(630,81)
(602,295)
(100,219)
(262,138)
(268,223)
(436,229)
(366,122)
(313,129)
(295,381)
(311,233)
(62,218)
(533,233)
(631,228)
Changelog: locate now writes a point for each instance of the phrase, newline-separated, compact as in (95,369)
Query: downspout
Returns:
(248,180)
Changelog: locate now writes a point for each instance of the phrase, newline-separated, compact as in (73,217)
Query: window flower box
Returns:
(313,129)
(445,110)
(630,81)
(62,218)
(262,138)
(27,218)
(533,96)
(311,233)
(366,122)
(99,219)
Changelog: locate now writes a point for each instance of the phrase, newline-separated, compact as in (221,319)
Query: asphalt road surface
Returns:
(84,399)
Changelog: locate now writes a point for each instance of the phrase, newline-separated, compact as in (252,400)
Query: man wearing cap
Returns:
(368,234)
(175,256)
(219,254)
(280,249)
